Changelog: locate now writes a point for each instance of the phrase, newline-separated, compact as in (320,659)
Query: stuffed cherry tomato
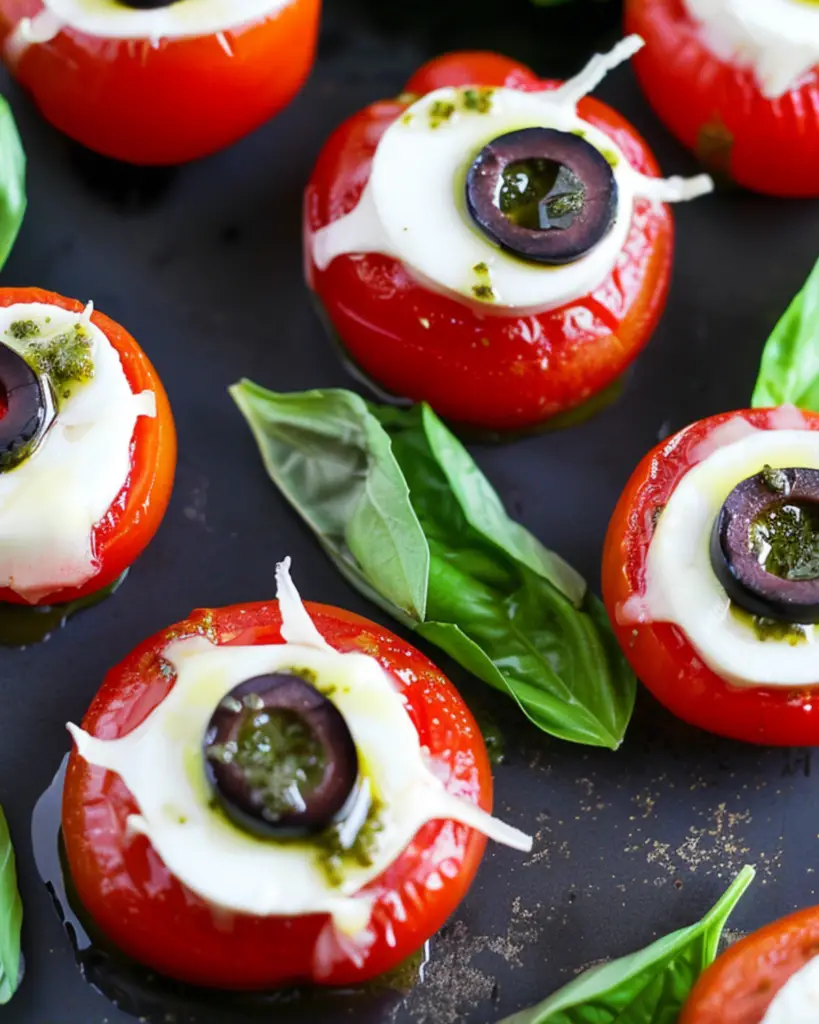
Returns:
(491,243)
(711,574)
(87,449)
(306,793)
(769,977)
(736,81)
(159,82)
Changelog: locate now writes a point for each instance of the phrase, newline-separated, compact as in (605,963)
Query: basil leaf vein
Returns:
(11,917)
(789,372)
(647,987)
(409,519)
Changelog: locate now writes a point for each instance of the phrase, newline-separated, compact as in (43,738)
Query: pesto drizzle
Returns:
(65,357)
(785,539)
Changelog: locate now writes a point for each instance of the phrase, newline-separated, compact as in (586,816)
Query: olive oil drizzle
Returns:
(24,624)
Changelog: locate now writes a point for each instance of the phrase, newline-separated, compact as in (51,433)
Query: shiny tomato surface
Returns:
(485,369)
(174,101)
(717,109)
(659,652)
(740,985)
(134,517)
(152,917)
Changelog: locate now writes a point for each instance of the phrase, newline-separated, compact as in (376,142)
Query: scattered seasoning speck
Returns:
(440,112)
(477,100)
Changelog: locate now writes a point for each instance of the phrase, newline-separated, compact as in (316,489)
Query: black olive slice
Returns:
(544,195)
(280,757)
(146,5)
(26,408)
(765,545)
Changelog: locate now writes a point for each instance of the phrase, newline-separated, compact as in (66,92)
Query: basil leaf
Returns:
(12,181)
(332,461)
(11,917)
(648,987)
(789,373)
(494,598)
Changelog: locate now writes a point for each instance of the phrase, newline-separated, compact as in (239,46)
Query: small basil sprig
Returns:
(789,373)
(648,987)
(11,917)
(404,512)
(12,181)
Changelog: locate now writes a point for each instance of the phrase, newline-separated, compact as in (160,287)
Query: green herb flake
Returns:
(477,101)
(483,292)
(440,112)
(406,119)
(775,480)
(22,329)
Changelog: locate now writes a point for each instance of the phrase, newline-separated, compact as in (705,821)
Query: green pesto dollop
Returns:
(527,183)
(785,539)
(335,857)
(280,756)
(769,629)
(65,357)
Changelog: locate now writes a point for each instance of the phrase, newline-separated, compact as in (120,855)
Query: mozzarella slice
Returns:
(413,209)
(797,1002)
(50,503)
(680,584)
(110,19)
(162,764)
(777,39)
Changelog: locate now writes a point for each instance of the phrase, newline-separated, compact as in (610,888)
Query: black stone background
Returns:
(203,266)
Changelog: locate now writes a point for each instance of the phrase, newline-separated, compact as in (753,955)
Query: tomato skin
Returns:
(138,509)
(659,652)
(487,370)
(740,985)
(153,918)
(772,146)
(178,101)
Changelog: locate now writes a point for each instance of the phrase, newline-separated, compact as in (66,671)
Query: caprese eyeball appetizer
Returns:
(737,82)
(711,574)
(492,243)
(153,82)
(87,449)
(768,977)
(275,793)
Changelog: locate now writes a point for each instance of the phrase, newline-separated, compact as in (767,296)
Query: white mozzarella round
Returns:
(777,39)
(413,205)
(797,1002)
(162,764)
(680,584)
(50,503)
(110,19)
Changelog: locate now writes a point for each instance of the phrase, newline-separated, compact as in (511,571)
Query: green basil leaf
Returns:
(648,987)
(483,510)
(494,598)
(333,463)
(11,917)
(789,373)
(12,181)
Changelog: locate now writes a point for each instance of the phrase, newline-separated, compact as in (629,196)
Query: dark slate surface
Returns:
(203,266)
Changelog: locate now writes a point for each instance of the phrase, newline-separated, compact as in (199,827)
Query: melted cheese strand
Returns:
(574,89)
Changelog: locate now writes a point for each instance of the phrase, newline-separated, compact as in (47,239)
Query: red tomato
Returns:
(740,985)
(659,652)
(717,109)
(176,101)
(135,515)
(153,918)
(500,372)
